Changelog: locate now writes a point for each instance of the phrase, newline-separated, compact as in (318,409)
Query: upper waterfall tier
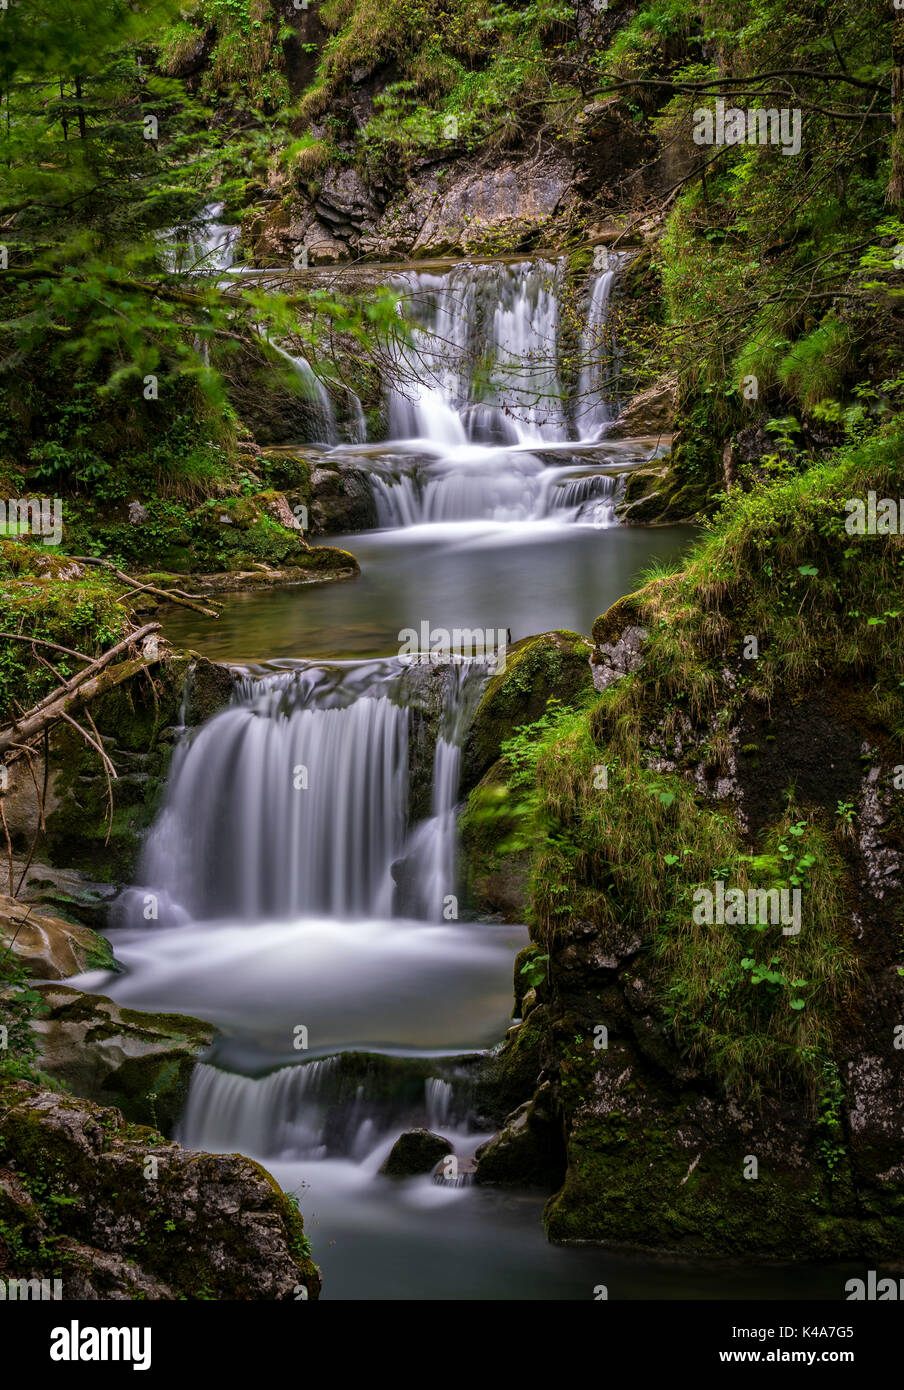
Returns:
(500,355)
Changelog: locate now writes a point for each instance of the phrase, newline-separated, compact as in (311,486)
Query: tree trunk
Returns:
(895,192)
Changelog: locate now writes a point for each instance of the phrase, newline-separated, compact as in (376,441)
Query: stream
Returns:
(302,909)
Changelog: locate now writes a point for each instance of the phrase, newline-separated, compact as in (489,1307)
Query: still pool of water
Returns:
(527,577)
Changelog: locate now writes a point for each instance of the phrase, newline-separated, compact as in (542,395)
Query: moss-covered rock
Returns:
(496,859)
(140,1062)
(116,1211)
(416,1151)
(528,1150)
(210,688)
(136,723)
(48,947)
(553,664)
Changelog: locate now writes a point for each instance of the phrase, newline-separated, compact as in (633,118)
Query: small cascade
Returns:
(357,423)
(205,247)
(484,363)
(438,1095)
(598,357)
(429,879)
(487,390)
(291,801)
(314,391)
(317,1110)
(491,486)
(273,1118)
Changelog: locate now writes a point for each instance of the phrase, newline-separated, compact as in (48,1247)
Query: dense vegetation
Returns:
(765,289)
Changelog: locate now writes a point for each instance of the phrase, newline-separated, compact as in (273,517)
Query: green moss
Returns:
(553,664)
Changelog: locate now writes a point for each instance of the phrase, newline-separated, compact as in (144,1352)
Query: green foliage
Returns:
(20,1005)
(629,850)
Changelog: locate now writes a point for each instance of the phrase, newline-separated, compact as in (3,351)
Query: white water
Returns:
(316,393)
(487,389)
(205,247)
(485,356)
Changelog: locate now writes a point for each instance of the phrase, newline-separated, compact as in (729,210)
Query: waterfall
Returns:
(484,364)
(487,389)
(294,802)
(316,393)
(430,861)
(271,1117)
(510,487)
(204,247)
(317,1110)
(291,801)
(597,357)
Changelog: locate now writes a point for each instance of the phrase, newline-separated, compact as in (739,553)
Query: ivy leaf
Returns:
(807,569)
(797,1003)
(671,859)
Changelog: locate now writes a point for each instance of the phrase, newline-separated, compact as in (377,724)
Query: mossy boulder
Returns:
(496,858)
(135,722)
(528,1150)
(416,1151)
(342,501)
(508,1077)
(117,1212)
(210,689)
(140,1062)
(536,668)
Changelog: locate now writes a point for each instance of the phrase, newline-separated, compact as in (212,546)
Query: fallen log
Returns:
(34,721)
(93,666)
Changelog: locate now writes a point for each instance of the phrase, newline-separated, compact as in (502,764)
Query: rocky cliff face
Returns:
(647,1124)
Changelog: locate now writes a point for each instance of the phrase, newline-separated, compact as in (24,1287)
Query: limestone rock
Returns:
(651,412)
(140,1062)
(48,947)
(612,660)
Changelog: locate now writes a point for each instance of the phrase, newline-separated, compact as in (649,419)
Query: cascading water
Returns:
(283,852)
(205,247)
(598,358)
(314,391)
(485,400)
(287,802)
(298,889)
(485,353)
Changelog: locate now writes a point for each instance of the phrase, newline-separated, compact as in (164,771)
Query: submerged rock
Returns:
(117,1212)
(417,1151)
